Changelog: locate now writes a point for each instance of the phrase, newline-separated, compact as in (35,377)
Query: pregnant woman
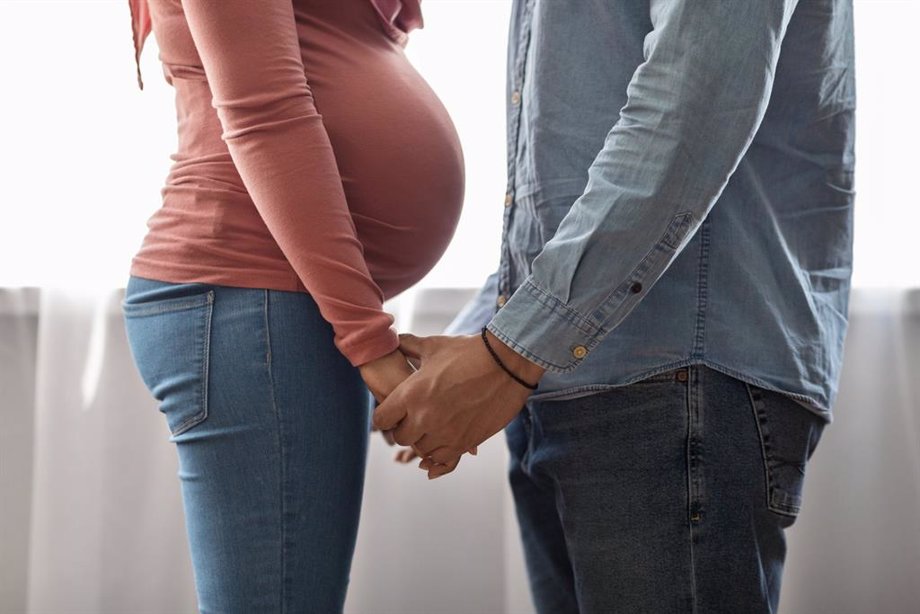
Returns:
(317,175)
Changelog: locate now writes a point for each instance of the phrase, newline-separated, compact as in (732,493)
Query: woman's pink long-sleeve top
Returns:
(251,56)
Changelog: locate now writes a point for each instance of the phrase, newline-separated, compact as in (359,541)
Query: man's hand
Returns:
(456,400)
(382,376)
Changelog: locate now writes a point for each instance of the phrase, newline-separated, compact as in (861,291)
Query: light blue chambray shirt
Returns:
(680,191)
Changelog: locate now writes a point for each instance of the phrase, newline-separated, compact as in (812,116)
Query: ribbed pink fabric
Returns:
(399,17)
(353,205)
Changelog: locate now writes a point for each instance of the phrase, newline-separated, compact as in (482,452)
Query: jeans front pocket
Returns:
(789,434)
(169,340)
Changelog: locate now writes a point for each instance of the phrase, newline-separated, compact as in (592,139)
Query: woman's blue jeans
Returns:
(271,427)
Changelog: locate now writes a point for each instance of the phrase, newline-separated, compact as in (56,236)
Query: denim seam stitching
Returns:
(203,372)
(692,389)
(143,309)
(206,358)
(702,290)
(756,406)
(271,390)
(778,501)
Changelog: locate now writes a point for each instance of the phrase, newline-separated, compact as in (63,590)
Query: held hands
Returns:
(382,376)
(458,398)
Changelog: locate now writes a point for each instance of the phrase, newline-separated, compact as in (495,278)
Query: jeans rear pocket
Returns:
(169,340)
(789,434)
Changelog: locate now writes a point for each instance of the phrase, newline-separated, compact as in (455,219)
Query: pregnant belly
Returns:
(396,148)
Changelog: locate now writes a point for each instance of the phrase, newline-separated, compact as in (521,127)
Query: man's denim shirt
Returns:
(680,191)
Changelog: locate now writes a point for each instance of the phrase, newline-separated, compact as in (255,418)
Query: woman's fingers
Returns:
(406,455)
(437,470)
(388,437)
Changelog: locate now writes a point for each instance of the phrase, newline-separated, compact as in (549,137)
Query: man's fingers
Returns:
(443,455)
(388,437)
(426,444)
(426,463)
(437,471)
(407,433)
(405,455)
(389,413)
(411,346)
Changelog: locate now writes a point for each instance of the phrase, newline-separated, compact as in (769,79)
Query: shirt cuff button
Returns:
(579,351)
(501,300)
(636,288)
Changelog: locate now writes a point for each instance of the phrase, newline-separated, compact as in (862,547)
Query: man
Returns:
(675,272)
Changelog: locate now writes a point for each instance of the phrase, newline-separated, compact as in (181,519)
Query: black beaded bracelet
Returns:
(502,365)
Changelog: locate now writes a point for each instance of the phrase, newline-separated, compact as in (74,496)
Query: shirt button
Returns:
(636,288)
(515,97)
(501,300)
(508,199)
(579,351)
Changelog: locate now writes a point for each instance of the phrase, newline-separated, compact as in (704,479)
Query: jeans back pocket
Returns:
(789,434)
(169,340)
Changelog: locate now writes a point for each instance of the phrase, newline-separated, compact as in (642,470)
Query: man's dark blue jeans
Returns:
(668,495)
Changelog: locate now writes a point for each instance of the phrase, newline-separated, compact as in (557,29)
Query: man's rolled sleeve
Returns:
(545,330)
(531,316)
(693,108)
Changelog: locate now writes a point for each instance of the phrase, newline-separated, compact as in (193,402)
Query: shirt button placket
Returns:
(514,120)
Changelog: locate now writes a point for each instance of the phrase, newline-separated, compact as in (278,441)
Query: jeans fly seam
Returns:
(271,391)
(702,290)
(692,399)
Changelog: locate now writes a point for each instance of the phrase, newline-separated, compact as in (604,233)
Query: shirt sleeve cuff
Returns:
(371,348)
(543,329)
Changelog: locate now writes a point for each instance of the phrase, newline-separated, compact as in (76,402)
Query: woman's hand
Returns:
(382,376)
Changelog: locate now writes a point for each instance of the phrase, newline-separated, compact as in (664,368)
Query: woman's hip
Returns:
(218,357)
(271,424)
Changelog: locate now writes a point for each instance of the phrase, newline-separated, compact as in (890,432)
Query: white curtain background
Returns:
(90,514)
